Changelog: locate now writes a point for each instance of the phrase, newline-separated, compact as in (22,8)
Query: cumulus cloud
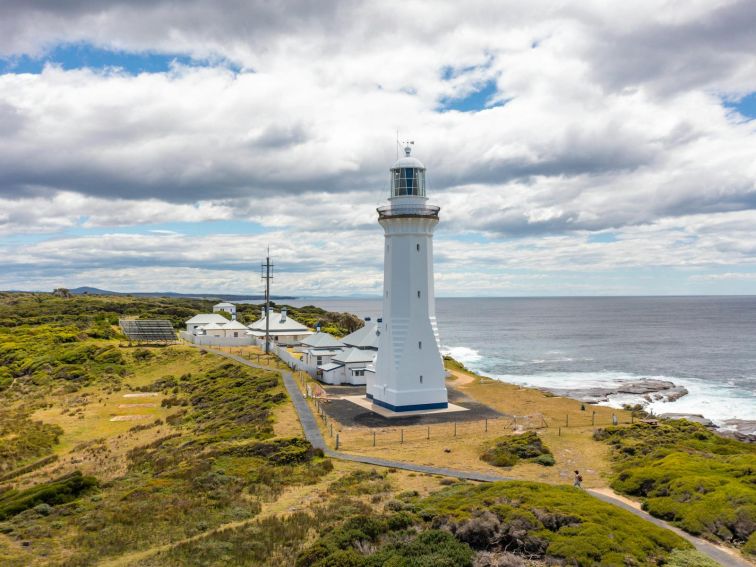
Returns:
(604,117)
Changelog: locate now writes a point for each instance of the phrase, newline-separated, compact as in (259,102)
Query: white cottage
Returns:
(355,359)
(227,329)
(283,329)
(203,319)
(320,348)
(229,308)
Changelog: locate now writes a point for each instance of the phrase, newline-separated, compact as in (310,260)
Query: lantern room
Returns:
(408,176)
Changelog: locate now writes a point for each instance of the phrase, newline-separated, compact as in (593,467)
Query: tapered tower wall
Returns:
(409,372)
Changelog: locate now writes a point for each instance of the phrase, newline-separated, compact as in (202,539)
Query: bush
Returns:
(59,491)
(689,558)
(546,460)
(507,451)
(703,483)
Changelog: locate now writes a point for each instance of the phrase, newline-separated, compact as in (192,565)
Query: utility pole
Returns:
(266,273)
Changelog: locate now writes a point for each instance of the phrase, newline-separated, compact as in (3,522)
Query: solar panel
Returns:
(148,330)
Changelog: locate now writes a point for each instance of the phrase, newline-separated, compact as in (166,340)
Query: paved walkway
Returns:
(314,436)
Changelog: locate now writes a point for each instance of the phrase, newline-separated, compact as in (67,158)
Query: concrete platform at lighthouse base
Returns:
(368,404)
(341,406)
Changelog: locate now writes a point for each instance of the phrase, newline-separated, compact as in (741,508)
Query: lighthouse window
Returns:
(418,293)
(420,344)
(418,247)
(421,378)
(408,181)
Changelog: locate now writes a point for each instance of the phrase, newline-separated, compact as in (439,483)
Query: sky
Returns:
(576,148)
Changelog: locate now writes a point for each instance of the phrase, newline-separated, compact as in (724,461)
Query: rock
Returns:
(650,389)
(694,417)
(742,430)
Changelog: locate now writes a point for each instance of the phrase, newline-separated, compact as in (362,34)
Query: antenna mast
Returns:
(267,275)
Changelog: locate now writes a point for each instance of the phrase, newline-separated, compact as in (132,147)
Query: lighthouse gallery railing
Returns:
(390,211)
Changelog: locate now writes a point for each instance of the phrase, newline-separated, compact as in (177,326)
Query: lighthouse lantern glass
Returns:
(407,181)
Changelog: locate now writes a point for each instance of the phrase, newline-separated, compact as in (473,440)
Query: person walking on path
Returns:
(578,480)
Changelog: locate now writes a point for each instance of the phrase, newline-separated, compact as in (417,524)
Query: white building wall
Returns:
(409,371)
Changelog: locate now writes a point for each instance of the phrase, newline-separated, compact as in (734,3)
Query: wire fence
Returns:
(361,437)
(358,437)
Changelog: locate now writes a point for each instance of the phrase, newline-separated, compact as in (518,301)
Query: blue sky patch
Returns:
(84,55)
(745,106)
(475,101)
(602,237)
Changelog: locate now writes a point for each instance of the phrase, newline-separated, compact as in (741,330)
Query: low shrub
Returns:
(703,483)
(507,451)
(59,491)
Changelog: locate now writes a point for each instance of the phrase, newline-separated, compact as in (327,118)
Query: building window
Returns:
(236,334)
(320,360)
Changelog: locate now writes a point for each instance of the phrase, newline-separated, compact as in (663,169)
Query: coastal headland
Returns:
(172,455)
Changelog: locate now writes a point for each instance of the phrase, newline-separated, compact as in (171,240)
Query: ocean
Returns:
(705,344)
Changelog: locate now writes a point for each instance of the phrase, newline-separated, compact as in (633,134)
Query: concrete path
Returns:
(313,434)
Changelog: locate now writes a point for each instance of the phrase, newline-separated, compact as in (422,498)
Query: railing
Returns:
(390,211)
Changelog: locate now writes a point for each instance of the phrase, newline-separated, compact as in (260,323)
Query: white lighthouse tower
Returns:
(409,372)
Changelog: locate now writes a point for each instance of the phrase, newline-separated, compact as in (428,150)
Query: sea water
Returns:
(705,344)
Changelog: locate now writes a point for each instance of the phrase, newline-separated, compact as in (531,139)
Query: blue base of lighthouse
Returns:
(415,407)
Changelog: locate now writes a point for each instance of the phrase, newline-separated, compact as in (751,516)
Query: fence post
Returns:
(567,421)
(560,432)
(373,438)
(514,423)
(337,441)
(331,429)
(593,418)
(632,418)
(486,424)
(401,439)
(428,432)
(455,429)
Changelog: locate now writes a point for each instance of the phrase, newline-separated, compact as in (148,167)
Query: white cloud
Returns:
(613,122)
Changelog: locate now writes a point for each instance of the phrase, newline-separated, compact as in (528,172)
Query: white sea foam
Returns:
(465,355)
(718,402)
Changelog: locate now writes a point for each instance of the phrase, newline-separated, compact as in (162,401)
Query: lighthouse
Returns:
(409,372)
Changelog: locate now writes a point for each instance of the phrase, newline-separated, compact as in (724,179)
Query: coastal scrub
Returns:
(685,474)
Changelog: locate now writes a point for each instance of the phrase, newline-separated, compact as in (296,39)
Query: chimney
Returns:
(283,315)
(367,318)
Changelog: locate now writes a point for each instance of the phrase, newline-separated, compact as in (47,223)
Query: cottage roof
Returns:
(366,337)
(322,340)
(322,352)
(205,318)
(353,355)
(280,323)
(224,304)
(330,366)
(235,325)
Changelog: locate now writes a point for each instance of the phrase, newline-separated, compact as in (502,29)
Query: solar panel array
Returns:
(148,330)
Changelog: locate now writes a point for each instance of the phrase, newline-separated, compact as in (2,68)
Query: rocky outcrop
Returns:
(650,389)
